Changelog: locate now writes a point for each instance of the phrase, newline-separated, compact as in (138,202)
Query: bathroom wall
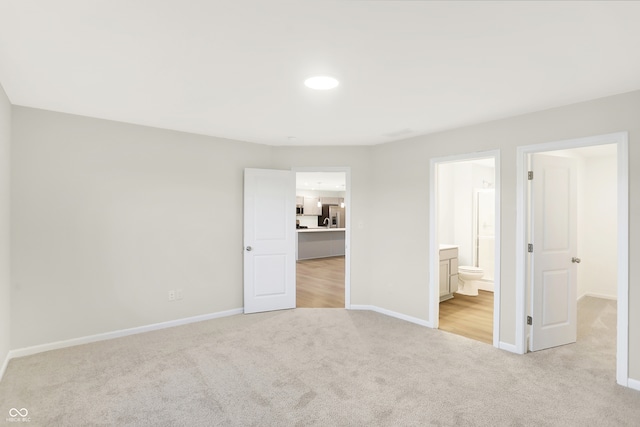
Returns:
(456,184)
(484,225)
(445,184)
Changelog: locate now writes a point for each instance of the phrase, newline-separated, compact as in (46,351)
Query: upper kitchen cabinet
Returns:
(311,206)
(331,200)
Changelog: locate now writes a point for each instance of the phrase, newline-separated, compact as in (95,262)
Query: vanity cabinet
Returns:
(448,272)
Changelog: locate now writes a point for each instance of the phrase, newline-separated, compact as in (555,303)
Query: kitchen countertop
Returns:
(443,247)
(316,230)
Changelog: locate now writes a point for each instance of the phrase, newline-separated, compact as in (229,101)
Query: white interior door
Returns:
(553,263)
(269,240)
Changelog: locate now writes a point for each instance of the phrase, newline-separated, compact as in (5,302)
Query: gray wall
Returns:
(5,135)
(107,217)
(400,255)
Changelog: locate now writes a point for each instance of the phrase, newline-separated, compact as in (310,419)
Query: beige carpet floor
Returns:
(323,367)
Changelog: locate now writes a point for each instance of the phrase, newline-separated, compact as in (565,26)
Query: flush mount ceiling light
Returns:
(321,82)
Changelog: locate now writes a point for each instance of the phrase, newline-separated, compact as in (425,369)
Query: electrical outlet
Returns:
(172,295)
(179,293)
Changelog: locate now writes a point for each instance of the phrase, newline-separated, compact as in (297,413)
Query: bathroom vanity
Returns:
(448,271)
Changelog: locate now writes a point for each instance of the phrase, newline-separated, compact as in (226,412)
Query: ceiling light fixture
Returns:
(321,82)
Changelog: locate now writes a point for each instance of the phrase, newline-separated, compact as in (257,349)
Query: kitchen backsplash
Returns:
(308,221)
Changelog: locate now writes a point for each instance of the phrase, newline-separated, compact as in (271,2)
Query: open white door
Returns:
(553,262)
(269,240)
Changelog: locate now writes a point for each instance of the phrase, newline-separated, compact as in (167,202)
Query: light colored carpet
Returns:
(323,367)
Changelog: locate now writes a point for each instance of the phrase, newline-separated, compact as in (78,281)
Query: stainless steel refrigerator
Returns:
(336,213)
(335,216)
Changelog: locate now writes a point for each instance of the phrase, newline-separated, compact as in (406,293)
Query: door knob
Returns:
(249,249)
(576,260)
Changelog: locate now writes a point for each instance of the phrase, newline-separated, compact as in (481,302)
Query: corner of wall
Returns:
(5,282)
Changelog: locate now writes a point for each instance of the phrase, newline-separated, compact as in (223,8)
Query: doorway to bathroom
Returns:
(465,225)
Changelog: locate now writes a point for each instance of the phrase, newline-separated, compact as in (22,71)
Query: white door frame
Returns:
(434,288)
(621,140)
(347,231)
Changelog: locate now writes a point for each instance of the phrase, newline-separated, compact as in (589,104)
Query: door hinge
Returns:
(530,247)
(529,320)
(530,175)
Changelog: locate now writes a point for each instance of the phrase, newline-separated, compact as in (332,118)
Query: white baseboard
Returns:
(3,368)
(634,384)
(512,348)
(390,313)
(27,351)
(485,286)
(502,345)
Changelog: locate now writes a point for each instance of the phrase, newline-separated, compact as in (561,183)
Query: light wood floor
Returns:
(320,283)
(471,317)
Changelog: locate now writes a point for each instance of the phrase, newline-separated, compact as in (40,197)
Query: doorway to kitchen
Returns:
(322,244)
(465,245)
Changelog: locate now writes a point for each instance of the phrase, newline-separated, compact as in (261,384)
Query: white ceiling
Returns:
(235,69)
(321,181)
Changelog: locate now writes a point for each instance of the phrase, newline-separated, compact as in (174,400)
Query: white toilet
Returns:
(467,276)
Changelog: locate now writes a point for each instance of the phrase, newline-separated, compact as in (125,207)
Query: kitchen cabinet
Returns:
(299,201)
(311,206)
(448,268)
(320,243)
(331,200)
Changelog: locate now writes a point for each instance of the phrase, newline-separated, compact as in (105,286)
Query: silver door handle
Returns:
(249,249)
(576,260)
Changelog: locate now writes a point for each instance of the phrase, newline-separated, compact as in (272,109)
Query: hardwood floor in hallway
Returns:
(320,283)
(471,317)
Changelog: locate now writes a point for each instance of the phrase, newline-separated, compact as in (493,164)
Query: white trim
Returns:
(508,347)
(485,285)
(522,167)
(634,384)
(434,271)
(498,251)
(622,358)
(28,351)
(4,365)
(434,289)
(390,313)
(621,139)
(347,214)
